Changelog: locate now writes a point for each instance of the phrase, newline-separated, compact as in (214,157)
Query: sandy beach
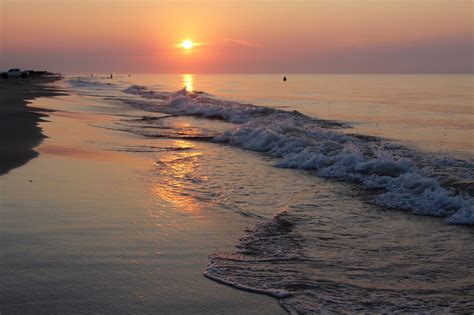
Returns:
(88,226)
(19,122)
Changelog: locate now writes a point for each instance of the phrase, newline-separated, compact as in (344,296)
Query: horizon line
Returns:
(266,73)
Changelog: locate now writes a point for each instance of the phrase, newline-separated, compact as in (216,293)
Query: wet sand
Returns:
(19,129)
(89,226)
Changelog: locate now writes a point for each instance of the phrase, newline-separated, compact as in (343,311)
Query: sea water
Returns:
(361,185)
(431,112)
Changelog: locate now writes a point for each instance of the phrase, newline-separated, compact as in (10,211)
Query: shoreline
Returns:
(19,125)
(85,187)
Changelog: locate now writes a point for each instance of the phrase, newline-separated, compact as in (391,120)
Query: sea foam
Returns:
(403,178)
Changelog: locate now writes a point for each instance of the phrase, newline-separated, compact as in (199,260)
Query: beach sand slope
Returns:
(19,128)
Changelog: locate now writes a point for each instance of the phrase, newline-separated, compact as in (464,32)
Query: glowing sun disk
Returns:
(187,44)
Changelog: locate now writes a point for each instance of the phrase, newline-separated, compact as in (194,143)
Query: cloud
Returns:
(241,42)
(222,42)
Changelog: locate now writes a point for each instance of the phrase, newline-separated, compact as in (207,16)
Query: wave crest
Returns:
(406,179)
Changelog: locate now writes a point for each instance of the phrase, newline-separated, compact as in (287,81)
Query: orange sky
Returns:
(327,36)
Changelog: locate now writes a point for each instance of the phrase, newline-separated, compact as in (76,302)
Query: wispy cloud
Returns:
(242,42)
(224,41)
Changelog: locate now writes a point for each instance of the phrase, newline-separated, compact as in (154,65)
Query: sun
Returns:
(187,44)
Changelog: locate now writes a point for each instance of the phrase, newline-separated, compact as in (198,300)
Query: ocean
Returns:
(359,188)
(429,112)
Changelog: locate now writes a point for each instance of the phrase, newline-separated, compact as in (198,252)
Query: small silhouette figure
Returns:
(284,79)
(111,76)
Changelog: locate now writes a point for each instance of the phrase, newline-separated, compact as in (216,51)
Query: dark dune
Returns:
(19,130)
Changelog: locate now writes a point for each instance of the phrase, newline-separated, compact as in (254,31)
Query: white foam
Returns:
(303,142)
(465,215)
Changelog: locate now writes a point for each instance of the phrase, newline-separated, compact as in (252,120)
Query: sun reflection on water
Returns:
(188,82)
(177,174)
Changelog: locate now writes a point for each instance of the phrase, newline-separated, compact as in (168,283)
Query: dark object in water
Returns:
(284,79)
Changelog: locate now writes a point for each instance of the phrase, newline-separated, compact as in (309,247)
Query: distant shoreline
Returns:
(19,129)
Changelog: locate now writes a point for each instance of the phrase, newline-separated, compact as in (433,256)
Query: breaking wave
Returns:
(401,178)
